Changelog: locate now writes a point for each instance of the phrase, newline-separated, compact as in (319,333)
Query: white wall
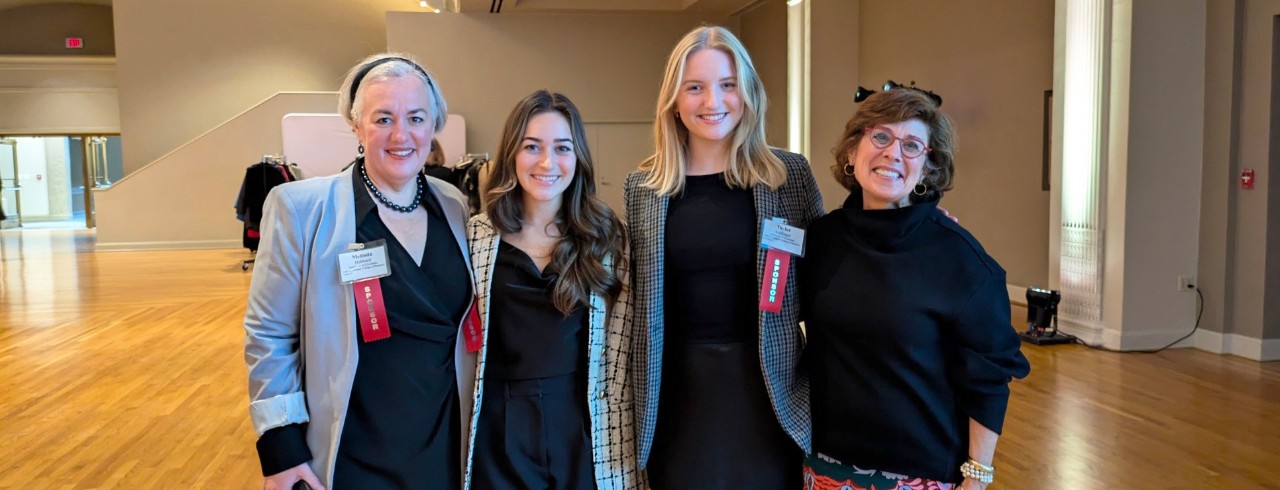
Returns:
(58,95)
(186,198)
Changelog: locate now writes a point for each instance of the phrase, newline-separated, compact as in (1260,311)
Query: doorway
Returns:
(48,180)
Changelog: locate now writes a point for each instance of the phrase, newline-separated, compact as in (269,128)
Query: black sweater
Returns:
(909,337)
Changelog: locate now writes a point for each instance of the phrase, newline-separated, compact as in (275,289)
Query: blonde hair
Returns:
(750,160)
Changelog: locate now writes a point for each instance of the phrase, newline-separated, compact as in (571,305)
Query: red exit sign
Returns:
(75,43)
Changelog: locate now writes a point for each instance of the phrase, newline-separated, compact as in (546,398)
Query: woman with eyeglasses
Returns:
(910,348)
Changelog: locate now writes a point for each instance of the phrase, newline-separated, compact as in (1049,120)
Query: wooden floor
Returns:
(125,370)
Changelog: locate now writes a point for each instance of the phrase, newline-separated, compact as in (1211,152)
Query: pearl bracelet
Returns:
(976,471)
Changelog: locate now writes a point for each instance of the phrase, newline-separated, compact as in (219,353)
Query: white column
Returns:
(1083,154)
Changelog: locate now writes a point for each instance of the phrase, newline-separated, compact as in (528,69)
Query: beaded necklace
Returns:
(422,181)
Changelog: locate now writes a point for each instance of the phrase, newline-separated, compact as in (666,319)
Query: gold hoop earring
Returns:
(848,169)
(920,189)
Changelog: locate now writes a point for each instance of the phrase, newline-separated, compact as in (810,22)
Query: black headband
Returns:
(355,83)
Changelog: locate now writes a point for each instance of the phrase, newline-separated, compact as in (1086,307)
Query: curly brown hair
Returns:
(897,105)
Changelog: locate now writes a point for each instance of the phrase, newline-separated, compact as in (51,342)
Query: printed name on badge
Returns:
(776,234)
(367,261)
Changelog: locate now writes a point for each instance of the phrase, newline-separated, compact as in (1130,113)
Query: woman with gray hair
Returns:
(359,294)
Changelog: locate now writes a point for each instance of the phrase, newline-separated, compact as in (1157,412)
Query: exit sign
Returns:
(75,43)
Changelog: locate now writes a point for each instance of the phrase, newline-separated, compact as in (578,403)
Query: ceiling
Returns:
(716,7)
(8,4)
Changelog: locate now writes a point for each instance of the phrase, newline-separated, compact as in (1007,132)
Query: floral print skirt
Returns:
(824,474)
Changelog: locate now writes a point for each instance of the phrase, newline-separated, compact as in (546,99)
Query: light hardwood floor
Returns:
(125,370)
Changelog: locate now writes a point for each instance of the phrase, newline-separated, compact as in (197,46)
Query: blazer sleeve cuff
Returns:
(282,448)
(279,410)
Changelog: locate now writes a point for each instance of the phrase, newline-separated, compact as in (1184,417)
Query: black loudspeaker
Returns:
(1042,318)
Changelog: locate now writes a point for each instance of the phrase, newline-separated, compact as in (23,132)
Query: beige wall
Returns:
(1254,253)
(610,65)
(187,198)
(991,62)
(764,33)
(1271,316)
(58,95)
(186,66)
(833,76)
(1162,156)
(43,29)
(1218,183)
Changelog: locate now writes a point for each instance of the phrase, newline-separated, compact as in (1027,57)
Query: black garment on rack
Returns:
(468,177)
(443,173)
(259,179)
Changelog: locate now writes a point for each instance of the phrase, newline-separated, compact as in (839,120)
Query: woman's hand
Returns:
(285,480)
(969,484)
(947,214)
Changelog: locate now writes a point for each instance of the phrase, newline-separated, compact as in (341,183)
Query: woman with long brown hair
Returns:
(552,404)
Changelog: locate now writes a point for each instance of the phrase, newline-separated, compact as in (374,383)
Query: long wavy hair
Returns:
(750,160)
(589,230)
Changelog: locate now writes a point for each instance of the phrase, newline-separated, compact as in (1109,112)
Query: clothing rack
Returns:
(253,192)
(469,167)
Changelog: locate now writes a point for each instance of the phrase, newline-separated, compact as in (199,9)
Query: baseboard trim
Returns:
(1261,350)
(183,245)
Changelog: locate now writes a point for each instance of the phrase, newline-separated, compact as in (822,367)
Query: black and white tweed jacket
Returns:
(781,341)
(610,396)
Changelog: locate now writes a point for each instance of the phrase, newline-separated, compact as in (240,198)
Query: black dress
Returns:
(533,427)
(402,428)
(716,427)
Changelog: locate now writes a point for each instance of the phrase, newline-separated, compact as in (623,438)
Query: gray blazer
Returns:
(300,324)
(609,400)
(781,342)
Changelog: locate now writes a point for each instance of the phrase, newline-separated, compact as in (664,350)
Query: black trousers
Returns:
(533,434)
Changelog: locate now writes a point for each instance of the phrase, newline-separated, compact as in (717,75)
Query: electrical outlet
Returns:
(1186,283)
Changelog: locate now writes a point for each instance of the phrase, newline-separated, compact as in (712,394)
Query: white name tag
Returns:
(364,261)
(778,235)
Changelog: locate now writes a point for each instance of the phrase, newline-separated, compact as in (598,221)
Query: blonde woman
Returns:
(720,400)
(552,405)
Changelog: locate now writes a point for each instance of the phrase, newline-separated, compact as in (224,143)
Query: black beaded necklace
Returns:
(422,183)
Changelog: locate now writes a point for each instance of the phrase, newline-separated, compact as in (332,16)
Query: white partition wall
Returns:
(323,144)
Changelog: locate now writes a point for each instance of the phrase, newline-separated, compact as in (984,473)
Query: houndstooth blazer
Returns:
(781,341)
(610,397)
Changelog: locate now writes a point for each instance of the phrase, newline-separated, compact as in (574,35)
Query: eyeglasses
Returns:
(911,146)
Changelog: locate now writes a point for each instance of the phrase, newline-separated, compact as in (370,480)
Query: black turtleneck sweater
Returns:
(909,337)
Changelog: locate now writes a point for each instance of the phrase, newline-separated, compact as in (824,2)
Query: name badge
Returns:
(782,241)
(363,267)
(776,234)
(364,261)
